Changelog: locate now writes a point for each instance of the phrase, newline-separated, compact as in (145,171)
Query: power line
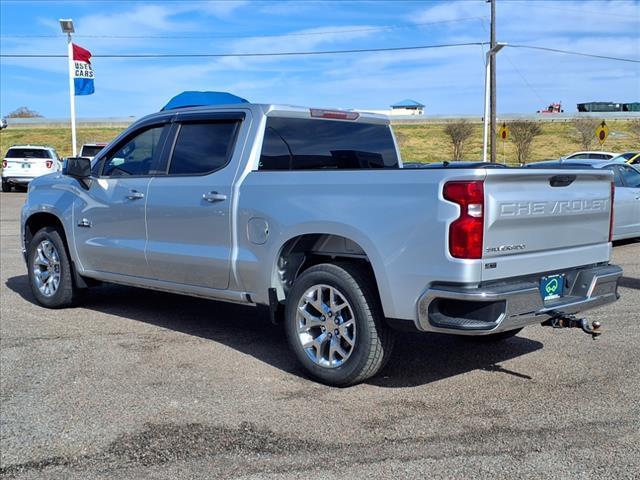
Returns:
(524,79)
(292,34)
(261,54)
(273,35)
(317,52)
(571,52)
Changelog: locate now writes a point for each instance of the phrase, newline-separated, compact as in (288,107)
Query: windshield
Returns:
(623,157)
(28,153)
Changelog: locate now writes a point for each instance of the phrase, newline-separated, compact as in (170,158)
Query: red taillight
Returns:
(613,194)
(465,233)
(333,114)
(49,164)
(4,164)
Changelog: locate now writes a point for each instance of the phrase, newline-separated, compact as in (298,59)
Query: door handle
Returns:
(213,197)
(135,195)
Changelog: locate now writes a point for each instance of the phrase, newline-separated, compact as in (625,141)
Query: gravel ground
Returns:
(141,384)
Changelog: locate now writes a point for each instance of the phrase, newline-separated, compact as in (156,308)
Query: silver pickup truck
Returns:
(310,215)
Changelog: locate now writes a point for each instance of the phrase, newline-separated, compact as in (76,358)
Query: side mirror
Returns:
(77,167)
(80,168)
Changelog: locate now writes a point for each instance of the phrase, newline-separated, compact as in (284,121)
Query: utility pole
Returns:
(489,132)
(492,88)
(67,27)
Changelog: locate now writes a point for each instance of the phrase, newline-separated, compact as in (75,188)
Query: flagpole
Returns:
(72,97)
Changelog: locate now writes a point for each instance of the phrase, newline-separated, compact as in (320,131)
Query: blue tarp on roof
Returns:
(407,103)
(198,99)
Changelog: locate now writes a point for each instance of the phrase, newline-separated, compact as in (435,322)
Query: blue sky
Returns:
(448,81)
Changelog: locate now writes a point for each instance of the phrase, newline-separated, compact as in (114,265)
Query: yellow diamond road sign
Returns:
(503,133)
(602,132)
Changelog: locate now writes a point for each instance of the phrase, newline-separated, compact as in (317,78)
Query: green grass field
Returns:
(425,142)
(58,138)
(428,142)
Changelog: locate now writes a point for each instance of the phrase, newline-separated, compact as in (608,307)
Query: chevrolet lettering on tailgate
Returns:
(523,209)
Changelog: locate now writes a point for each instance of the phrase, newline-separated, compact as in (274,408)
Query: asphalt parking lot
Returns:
(141,384)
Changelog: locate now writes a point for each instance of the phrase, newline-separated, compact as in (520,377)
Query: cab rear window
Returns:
(305,144)
(28,153)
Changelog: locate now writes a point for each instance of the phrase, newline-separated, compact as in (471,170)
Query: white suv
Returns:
(23,163)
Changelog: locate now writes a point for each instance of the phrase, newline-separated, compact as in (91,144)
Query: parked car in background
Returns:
(23,163)
(589,155)
(632,158)
(453,164)
(626,223)
(3,124)
(90,150)
(310,214)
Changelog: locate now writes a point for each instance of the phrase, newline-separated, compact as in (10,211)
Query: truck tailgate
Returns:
(545,220)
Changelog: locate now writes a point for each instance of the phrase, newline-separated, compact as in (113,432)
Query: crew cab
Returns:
(23,163)
(310,215)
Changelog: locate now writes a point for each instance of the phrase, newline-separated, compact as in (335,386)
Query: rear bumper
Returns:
(17,180)
(473,310)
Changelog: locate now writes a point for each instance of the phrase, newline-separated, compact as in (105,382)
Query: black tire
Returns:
(6,186)
(495,337)
(67,294)
(373,341)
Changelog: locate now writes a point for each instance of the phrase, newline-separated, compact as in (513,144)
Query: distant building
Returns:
(407,107)
(404,108)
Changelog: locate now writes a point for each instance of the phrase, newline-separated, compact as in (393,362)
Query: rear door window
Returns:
(306,144)
(28,153)
(202,148)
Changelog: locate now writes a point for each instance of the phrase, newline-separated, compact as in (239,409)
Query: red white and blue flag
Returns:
(82,71)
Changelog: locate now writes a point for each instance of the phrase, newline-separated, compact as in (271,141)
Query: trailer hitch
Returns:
(563,320)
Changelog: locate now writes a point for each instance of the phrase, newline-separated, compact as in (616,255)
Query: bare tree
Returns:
(522,133)
(586,128)
(23,112)
(634,128)
(459,131)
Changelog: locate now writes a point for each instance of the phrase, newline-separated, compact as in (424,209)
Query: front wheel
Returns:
(50,275)
(6,186)
(335,325)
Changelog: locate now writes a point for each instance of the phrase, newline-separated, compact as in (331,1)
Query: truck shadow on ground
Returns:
(418,359)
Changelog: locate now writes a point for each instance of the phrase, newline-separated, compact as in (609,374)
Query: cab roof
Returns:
(270,110)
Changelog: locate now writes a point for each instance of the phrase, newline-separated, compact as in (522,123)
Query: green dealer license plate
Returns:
(552,287)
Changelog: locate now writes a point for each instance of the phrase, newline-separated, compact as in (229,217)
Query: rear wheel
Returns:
(50,274)
(6,186)
(335,325)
